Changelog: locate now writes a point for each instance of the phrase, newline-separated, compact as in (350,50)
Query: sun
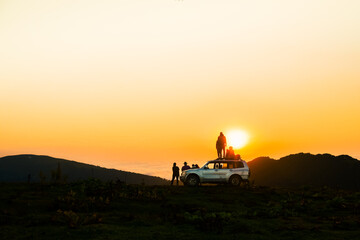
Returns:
(237,138)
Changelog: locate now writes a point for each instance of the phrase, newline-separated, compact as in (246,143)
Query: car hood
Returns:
(192,170)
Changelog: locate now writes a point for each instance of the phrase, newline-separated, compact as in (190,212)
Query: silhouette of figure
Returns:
(221,145)
(230,153)
(185,167)
(175,170)
(218,148)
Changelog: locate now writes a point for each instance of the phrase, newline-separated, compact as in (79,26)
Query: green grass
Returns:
(97,210)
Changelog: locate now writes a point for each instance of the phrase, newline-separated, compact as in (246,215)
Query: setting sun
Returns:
(237,138)
(139,85)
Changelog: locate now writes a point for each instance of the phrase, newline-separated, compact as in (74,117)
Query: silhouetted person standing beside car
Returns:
(175,170)
(185,167)
(221,145)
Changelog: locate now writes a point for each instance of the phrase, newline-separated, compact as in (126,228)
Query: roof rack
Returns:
(223,159)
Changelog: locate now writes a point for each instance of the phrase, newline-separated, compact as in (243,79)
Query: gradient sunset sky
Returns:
(139,84)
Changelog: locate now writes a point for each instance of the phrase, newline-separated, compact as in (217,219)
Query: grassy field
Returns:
(97,210)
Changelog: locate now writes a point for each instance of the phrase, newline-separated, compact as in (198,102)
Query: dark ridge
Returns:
(307,169)
(22,168)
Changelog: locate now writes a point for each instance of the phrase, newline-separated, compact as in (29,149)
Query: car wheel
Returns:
(235,180)
(192,180)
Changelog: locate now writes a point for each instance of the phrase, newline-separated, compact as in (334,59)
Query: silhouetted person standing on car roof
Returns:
(221,145)
(230,154)
(218,148)
(175,170)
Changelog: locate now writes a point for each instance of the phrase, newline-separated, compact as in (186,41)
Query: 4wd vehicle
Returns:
(233,172)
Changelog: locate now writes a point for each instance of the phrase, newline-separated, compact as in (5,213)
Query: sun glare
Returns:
(237,138)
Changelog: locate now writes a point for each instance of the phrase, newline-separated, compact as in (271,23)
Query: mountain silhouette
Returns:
(307,169)
(22,168)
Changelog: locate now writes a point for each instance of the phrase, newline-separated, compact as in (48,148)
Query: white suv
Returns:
(217,171)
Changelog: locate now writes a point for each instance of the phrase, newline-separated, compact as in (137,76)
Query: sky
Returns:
(139,84)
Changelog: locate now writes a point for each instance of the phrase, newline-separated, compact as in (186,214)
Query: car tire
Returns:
(235,180)
(192,181)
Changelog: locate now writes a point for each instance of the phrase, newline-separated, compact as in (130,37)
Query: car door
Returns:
(223,171)
(238,168)
(210,173)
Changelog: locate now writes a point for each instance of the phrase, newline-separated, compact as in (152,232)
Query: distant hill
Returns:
(307,169)
(19,168)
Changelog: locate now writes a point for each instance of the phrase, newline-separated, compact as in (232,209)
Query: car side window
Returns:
(211,165)
(224,165)
(239,165)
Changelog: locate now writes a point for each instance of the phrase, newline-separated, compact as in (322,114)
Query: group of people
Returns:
(222,152)
(176,171)
(221,147)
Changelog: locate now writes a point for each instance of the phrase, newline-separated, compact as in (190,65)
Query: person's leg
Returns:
(177,180)
(172,180)
(223,152)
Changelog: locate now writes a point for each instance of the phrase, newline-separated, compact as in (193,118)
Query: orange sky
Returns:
(138,84)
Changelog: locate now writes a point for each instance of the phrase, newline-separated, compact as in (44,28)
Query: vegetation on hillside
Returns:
(93,209)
